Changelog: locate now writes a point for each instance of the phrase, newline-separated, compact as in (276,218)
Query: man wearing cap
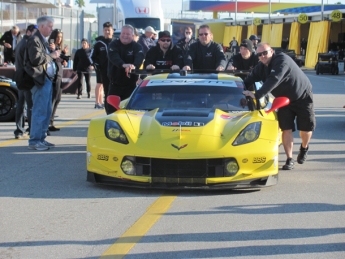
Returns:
(205,53)
(23,95)
(246,59)
(124,54)
(165,55)
(254,40)
(9,40)
(146,40)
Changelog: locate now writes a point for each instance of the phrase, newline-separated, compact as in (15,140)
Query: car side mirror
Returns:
(278,103)
(114,101)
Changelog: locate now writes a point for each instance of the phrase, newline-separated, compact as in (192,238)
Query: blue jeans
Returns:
(41,111)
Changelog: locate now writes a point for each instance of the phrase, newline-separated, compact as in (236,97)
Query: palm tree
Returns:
(80,3)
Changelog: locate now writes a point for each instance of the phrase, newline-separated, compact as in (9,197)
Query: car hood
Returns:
(182,123)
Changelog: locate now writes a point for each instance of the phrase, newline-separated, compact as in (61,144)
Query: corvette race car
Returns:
(186,131)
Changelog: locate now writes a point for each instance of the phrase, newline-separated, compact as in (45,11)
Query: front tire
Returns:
(8,101)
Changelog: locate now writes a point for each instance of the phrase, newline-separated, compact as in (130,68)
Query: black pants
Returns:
(56,98)
(23,96)
(106,83)
(80,82)
(124,91)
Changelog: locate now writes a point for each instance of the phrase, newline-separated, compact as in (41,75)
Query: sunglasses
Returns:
(259,54)
(165,40)
(188,32)
(203,34)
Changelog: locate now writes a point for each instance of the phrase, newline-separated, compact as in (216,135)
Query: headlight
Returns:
(231,167)
(249,134)
(114,132)
(128,167)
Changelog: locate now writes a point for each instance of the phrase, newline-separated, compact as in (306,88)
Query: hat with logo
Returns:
(31,27)
(247,44)
(150,29)
(253,37)
(164,34)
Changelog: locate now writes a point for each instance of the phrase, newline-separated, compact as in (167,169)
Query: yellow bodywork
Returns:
(147,138)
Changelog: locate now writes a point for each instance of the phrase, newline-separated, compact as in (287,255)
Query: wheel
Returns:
(8,100)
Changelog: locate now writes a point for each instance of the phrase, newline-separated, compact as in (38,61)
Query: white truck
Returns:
(138,13)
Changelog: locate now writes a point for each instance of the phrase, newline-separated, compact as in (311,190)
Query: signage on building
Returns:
(257,21)
(302,18)
(336,16)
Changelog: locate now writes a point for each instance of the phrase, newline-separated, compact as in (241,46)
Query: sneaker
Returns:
(18,136)
(48,144)
(99,106)
(53,128)
(79,96)
(290,164)
(302,156)
(39,146)
(88,95)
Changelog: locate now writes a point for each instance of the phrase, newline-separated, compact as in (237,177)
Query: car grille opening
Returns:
(186,168)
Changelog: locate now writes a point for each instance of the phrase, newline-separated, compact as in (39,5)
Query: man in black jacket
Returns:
(205,54)
(24,96)
(246,59)
(282,77)
(39,64)
(185,42)
(124,54)
(9,40)
(99,57)
(165,55)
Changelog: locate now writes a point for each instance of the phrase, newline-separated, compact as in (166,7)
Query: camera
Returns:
(64,57)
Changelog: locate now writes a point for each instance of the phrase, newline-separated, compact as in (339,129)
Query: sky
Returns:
(171,6)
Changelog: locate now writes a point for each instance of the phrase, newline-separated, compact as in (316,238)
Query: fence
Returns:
(71,22)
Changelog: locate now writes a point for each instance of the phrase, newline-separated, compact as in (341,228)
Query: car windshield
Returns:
(188,97)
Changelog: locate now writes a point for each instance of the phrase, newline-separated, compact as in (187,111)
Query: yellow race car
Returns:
(186,131)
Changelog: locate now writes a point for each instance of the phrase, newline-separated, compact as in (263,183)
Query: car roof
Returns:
(223,80)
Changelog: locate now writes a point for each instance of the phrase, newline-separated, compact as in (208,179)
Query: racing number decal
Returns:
(102,157)
(259,160)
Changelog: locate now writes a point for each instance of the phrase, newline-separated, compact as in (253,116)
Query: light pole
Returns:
(321,10)
(269,12)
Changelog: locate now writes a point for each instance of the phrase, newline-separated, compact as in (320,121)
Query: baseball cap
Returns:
(247,44)
(150,29)
(164,34)
(253,37)
(31,27)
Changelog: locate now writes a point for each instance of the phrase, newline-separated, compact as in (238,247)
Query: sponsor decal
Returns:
(130,53)
(177,123)
(102,157)
(209,54)
(245,160)
(179,147)
(174,130)
(115,158)
(198,124)
(164,63)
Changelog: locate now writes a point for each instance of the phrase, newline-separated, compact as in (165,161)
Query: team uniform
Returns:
(119,54)
(282,77)
(205,57)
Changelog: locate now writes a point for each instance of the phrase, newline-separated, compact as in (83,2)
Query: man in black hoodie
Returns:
(99,57)
(164,55)
(186,41)
(124,55)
